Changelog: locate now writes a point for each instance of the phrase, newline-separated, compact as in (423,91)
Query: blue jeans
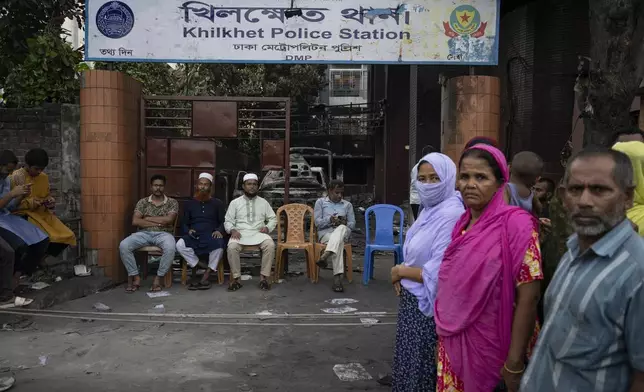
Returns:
(138,240)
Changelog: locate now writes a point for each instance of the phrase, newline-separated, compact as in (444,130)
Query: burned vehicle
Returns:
(306,184)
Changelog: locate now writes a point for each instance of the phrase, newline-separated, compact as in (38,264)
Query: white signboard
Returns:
(311,31)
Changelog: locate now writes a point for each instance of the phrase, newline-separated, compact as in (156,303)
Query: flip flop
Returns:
(156,288)
(6,383)
(263,284)
(234,286)
(204,285)
(322,263)
(338,288)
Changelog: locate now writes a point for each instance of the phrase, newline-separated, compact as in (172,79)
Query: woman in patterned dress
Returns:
(488,283)
(414,366)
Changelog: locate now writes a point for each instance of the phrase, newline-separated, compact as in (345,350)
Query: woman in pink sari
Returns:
(488,283)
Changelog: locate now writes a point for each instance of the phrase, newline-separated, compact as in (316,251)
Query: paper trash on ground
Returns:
(351,372)
(340,310)
(246,277)
(341,301)
(368,322)
(158,294)
(39,285)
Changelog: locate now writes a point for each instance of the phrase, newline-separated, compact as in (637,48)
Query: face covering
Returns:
(432,194)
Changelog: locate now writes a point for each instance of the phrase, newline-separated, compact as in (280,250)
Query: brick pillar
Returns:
(110,111)
(470,107)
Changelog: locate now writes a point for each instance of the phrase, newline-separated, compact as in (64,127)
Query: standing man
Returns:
(544,190)
(334,219)
(154,216)
(203,228)
(249,220)
(592,339)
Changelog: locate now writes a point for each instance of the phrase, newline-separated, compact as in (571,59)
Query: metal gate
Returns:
(225,136)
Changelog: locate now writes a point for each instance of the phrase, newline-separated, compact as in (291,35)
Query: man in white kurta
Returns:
(249,220)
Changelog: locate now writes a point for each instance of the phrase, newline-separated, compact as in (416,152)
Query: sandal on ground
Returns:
(338,288)
(156,288)
(322,263)
(193,286)
(263,284)
(204,285)
(234,286)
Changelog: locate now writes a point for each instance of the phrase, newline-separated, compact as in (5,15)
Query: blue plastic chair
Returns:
(384,240)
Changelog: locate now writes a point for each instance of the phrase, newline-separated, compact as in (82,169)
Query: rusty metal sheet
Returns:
(179,181)
(272,154)
(192,153)
(156,152)
(214,119)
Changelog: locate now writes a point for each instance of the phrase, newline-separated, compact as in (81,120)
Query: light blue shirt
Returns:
(28,232)
(325,209)
(594,311)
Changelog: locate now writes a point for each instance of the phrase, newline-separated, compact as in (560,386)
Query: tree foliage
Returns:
(21,20)
(48,73)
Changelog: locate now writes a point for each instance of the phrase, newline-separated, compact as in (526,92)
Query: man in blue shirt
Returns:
(24,244)
(334,219)
(592,339)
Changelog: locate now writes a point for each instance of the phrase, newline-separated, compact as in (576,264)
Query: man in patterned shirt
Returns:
(154,216)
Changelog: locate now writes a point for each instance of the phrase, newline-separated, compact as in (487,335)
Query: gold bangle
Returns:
(513,371)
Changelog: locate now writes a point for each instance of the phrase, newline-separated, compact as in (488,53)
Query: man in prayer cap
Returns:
(249,220)
(203,228)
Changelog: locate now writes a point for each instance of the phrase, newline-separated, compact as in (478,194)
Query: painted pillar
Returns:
(110,113)
(471,106)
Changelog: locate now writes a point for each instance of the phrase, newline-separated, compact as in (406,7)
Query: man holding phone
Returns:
(23,244)
(334,219)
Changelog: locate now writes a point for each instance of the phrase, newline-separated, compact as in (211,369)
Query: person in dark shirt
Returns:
(203,231)
(544,190)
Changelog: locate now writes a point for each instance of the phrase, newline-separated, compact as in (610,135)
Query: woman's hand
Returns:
(395,274)
(511,375)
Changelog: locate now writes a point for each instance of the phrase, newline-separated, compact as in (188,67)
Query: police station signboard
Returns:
(299,31)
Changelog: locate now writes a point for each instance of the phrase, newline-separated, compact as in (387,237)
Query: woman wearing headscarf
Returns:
(414,367)
(488,283)
(635,151)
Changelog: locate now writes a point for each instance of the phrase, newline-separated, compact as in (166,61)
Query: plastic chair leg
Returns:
(366,273)
(349,255)
(278,264)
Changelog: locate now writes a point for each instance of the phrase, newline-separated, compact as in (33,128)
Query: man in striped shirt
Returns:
(592,339)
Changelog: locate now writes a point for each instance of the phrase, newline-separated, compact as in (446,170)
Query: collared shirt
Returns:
(146,207)
(591,339)
(325,209)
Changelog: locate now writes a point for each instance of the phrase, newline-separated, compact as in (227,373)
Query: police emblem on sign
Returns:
(115,19)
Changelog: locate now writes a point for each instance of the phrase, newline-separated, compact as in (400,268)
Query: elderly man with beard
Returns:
(591,339)
(203,228)
(249,220)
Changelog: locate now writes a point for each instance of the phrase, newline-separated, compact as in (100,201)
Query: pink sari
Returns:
(476,288)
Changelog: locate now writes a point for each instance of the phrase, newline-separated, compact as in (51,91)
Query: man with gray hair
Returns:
(594,306)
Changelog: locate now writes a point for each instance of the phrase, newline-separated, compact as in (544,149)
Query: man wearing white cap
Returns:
(203,229)
(249,220)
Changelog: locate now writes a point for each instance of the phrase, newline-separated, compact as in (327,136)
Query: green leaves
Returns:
(46,74)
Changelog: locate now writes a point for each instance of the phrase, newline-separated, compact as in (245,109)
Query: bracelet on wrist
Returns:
(513,371)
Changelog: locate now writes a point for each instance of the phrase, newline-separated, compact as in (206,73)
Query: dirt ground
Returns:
(226,352)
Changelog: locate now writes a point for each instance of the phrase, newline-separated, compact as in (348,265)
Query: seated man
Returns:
(249,219)
(334,219)
(38,204)
(154,216)
(22,244)
(203,228)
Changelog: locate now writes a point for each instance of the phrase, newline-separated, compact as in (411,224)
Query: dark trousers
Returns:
(27,257)
(7,259)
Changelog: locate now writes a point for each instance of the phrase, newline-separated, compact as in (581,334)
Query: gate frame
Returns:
(141,154)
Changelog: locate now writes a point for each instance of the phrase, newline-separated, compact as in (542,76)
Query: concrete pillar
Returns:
(470,107)
(110,126)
